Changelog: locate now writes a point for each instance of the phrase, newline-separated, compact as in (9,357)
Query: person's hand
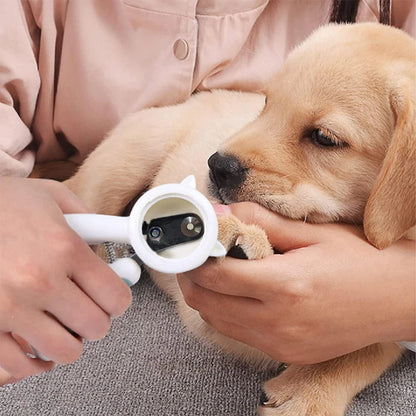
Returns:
(329,293)
(49,279)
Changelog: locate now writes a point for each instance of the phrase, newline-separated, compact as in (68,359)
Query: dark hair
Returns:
(345,11)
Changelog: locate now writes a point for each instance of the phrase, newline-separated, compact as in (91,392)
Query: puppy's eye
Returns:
(324,138)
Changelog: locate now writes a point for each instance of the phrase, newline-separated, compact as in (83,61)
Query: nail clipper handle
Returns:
(97,228)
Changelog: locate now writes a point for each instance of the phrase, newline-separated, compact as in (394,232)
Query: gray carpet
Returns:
(148,365)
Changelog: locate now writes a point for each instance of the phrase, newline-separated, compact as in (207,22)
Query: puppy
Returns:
(331,138)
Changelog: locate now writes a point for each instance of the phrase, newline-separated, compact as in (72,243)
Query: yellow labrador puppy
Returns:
(331,138)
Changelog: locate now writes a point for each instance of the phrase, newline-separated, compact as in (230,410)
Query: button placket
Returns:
(183,50)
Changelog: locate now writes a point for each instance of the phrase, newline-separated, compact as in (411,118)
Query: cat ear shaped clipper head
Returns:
(174,228)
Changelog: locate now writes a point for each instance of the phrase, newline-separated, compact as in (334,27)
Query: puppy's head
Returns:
(336,138)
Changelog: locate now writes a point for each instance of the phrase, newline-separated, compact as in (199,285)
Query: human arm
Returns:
(329,293)
(49,278)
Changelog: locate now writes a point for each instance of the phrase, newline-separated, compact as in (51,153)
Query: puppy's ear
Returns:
(391,208)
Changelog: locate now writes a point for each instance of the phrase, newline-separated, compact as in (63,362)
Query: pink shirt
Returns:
(71,69)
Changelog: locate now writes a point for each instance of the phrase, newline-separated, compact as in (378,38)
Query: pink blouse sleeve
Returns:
(19,87)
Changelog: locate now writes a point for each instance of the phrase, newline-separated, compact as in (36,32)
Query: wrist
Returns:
(402,309)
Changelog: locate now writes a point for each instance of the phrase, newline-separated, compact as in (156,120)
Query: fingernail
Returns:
(221,209)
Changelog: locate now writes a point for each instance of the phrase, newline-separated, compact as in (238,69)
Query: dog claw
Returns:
(264,400)
(237,252)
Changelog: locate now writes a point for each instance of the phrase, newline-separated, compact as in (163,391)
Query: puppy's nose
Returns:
(226,171)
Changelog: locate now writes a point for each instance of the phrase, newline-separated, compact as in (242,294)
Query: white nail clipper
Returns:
(172,228)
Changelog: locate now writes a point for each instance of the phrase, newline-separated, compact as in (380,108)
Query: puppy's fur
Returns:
(335,141)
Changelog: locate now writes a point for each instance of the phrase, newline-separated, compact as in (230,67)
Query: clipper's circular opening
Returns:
(172,227)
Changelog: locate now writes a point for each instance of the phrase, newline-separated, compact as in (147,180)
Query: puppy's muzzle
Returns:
(226,175)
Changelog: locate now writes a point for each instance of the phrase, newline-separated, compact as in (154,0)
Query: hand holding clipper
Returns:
(172,228)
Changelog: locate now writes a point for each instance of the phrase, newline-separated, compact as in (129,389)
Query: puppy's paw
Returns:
(296,393)
(242,240)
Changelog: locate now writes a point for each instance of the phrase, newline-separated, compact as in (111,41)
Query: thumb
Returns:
(284,234)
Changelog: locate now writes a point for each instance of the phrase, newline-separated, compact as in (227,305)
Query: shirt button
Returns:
(181,49)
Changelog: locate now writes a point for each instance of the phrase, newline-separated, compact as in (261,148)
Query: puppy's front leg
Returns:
(250,239)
